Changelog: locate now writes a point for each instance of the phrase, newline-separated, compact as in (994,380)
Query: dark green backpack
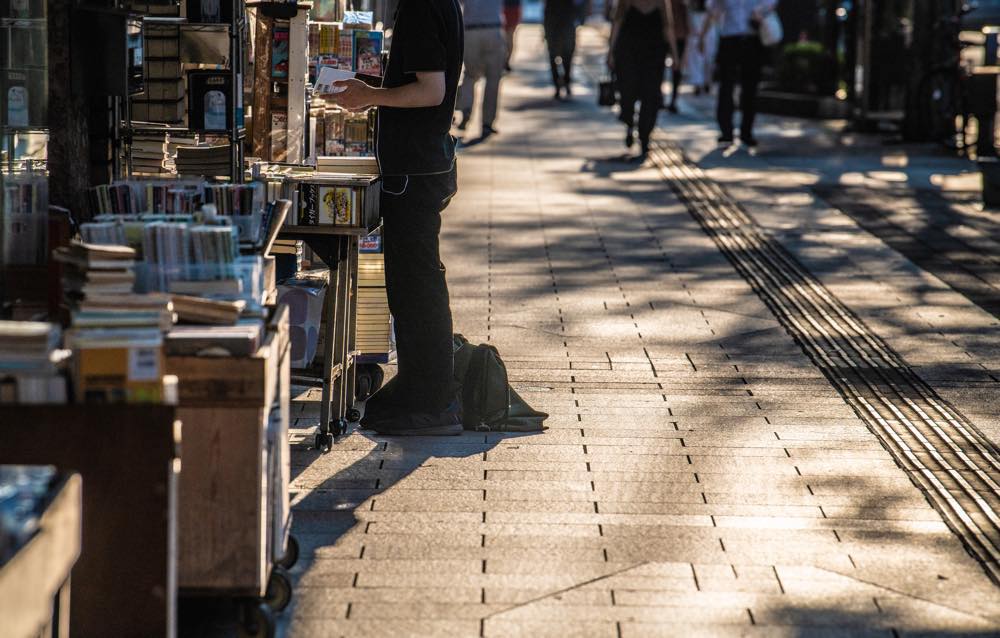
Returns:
(488,402)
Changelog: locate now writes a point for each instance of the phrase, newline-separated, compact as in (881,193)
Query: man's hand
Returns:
(353,95)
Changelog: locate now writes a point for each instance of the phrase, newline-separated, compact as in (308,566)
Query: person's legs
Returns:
(493,68)
(752,55)
(474,69)
(417,291)
(728,64)
(651,69)
(677,74)
(627,83)
(552,44)
(569,50)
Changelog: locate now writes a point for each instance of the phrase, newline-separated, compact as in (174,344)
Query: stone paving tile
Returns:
(699,476)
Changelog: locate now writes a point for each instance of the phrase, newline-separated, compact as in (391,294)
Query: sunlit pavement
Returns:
(700,477)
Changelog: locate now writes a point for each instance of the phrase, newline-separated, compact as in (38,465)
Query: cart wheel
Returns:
(291,555)
(324,441)
(354,415)
(279,590)
(258,620)
(339,427)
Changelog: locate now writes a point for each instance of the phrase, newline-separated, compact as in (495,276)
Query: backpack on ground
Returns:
(489,404)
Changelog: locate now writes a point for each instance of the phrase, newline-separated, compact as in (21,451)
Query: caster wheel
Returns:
(291,553)
(257,620)
(354,415)
(324,441)
(279,590)
(340,426)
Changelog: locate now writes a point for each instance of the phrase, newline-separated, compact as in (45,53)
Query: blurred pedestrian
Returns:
(641,33)
(698,62)
(485,54)
(680,25)
(511,18)
(741,55)
(560,20)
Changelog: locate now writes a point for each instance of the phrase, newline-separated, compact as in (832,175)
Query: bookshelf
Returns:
(193,74)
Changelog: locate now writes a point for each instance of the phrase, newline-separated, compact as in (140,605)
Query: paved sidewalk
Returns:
(700,476)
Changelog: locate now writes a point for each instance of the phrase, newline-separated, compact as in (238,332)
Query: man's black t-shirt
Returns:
(428,35)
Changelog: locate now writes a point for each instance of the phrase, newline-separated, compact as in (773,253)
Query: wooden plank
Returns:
(221,527)
(30,582)
(124,583)
(261,121)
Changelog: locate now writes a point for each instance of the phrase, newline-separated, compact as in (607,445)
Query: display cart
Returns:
(35,582)
(234,522)
(337,246)
(125,582)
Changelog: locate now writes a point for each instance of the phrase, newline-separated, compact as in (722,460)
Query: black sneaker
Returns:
(447,423)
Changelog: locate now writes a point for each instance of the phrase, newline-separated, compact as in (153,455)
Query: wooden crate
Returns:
(34,584)
(124,583)
(226,497)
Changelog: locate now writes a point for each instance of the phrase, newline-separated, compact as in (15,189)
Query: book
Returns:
(367,52)
(209,100)
(240,340)
(279,52)
(337,205)
(96,256)
(207,311)
(117,365)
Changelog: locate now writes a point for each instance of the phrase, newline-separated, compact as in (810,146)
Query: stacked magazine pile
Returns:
(151,154)
(31,363)
(209,161)
(373,329)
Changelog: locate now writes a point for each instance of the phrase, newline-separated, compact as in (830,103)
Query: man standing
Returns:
(485,55)
(416,155)
(740,54)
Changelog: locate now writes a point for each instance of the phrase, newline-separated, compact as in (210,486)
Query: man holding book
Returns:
(416,155)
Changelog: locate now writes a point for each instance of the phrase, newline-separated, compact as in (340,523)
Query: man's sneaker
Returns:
(447,423)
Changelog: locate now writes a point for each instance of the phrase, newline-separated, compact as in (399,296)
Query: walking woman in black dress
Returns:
(640,34)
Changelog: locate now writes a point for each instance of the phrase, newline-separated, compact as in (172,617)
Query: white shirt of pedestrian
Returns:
(734,15)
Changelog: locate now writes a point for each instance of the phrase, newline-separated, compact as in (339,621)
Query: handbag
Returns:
(606,95)
(771,31)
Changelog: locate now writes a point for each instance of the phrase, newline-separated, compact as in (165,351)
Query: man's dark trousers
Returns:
(740,57)
(417,290)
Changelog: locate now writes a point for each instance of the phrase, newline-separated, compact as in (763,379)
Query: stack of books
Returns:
(374,334)
(93,269)
(151,155)
(31,363)
(208,161)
